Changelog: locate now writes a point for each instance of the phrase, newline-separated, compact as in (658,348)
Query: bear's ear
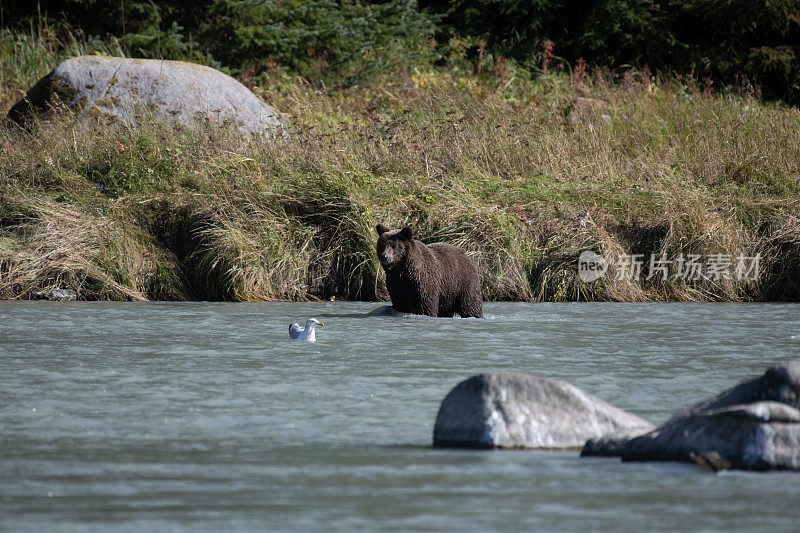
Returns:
(406,233)
(381,229)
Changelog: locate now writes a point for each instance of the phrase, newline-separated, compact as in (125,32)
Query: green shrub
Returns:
(322,40)
(750,44)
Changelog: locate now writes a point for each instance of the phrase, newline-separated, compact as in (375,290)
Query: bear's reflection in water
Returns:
(389,311)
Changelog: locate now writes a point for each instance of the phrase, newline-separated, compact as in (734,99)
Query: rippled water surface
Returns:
(203,416)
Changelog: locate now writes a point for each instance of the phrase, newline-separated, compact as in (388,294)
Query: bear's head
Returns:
(393,245)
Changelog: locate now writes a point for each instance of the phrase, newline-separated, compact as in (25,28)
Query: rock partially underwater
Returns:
(512,410)
(753,426)
(57,295)
(385,310)
(177,91)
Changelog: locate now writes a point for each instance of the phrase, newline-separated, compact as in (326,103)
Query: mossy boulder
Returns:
(179,92)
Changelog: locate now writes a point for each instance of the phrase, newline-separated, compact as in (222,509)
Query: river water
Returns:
(203,416)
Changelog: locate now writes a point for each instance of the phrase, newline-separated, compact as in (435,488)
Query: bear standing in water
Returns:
(435,279)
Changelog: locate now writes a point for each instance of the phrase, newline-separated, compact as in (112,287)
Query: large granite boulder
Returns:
(512,410)
(174,90)
(753,426)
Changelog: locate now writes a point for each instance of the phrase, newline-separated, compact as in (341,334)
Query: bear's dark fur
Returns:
(428,279)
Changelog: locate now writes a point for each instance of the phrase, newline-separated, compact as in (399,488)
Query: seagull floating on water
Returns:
(299,333)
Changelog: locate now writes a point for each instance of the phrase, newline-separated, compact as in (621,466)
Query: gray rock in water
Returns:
(175,90)
(384,310)
(511,410)
(60,295)
(753,426)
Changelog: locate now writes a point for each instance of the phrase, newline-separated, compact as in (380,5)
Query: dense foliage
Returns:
(323,40)
(750,44)
(349,40)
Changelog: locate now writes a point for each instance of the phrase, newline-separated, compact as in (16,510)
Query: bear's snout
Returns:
(386,257)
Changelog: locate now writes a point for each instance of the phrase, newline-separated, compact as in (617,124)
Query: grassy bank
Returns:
(522,174)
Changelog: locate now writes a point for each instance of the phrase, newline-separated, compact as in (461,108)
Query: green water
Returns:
(202,416)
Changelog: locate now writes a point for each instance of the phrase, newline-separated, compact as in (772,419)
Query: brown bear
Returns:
(428,279)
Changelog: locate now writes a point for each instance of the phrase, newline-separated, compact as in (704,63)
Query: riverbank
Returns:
(522,175)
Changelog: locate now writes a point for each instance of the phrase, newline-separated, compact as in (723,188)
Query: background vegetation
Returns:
(523,163)
(728,42)
(733,43)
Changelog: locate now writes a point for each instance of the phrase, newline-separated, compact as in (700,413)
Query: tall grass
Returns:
(27,56)
(523,175)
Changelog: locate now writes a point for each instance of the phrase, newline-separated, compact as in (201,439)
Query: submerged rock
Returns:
(512,410)
(753,426)
(61,295)
(384,310)
(174,90)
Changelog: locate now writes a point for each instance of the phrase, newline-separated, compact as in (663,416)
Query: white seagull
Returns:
(298,333)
